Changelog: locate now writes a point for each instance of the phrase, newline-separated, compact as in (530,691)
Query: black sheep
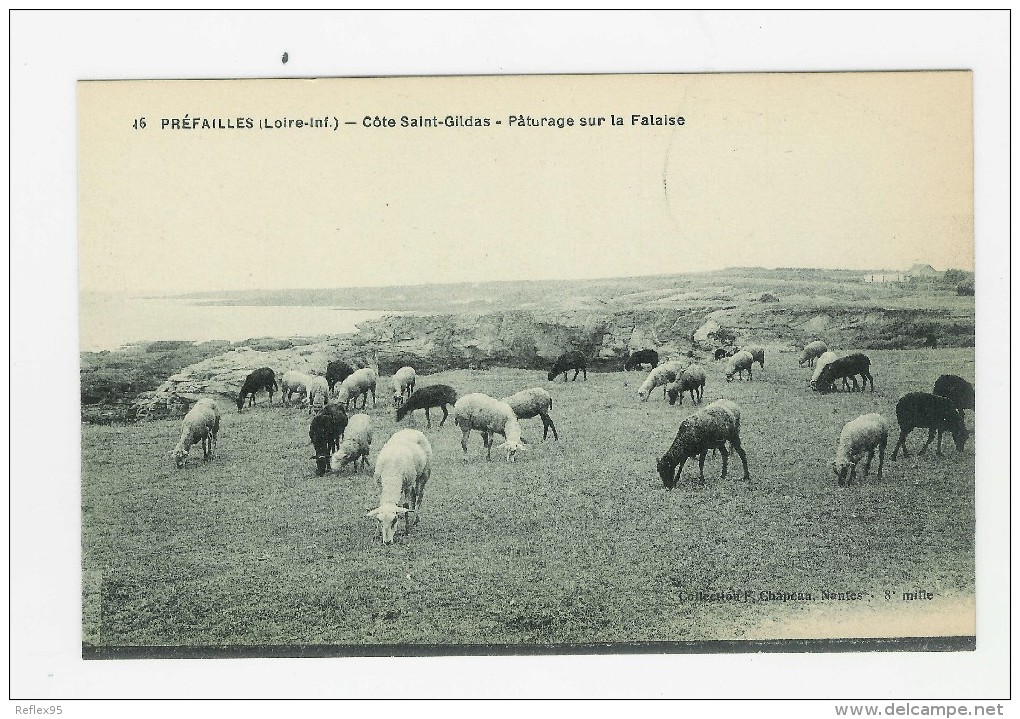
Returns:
(340,422)
(708,428)
(844,367)
(261,379)
(337,371)
(934,413)
(957,390)
(636,359)
(567,361)
(436,395)
(322,432)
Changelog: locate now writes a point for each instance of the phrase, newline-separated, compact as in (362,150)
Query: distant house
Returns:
(920,270)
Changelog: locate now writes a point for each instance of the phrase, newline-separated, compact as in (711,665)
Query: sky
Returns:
(839,170)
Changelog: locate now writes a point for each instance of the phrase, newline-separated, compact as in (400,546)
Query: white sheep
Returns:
(864,434)
(738,364)
(820,364)
(357,444)
(358,384)
(294,381)
(403,384)
(660,377)
(533,402)
(489,416)
(317,387)
(811,352)
(401,470)
(201,424)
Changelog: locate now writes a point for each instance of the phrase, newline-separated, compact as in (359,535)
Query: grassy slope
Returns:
(576,542)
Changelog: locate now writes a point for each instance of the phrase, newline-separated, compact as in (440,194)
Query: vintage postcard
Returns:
(527,364)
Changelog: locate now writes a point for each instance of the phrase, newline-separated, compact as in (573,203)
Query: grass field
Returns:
(575,542)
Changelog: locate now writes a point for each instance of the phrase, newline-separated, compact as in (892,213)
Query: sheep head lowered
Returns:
(512,448)
(179,456)
(388,514)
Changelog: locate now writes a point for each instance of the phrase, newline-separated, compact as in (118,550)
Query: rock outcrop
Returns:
(533,339)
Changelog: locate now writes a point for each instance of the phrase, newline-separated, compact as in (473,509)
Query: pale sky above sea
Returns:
(838,170)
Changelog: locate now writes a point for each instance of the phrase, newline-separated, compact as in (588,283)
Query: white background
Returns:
(51,51)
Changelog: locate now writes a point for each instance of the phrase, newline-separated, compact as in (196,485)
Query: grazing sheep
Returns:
(757,353)
(957,390)
(337,371)
(567,361)
(846,367)
(201,424)
(358,384)
(436,395)
(725,352)
(317,388)
(636,359)
(709,428)
(660,376)
(738,364)
(356,445)
(489,416)
(690,380)
(401,471)
(860,436)
(934,413)
(403,383)
(821,364)
(324,435)
(811,352)
(531,402)
(257,381)
(294,381)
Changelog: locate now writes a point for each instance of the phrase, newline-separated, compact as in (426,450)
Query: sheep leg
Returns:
(931,436)
(487,442)
(853,473)
(679,470)
(585,370)
(938,446)
(428,419)
(743,457)
(853,377)
(901,442)
(881,459)
(701,467)
(576,372)
(867,462)
(725,459)
(373,397)
(547,424)
(464,439)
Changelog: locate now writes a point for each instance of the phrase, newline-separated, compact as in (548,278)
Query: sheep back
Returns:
(529,403)
(484,413)
(435,395)
(811,351)
(662,375)
(956,389)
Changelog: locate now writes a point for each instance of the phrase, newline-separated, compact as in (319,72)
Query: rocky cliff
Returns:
(533,339)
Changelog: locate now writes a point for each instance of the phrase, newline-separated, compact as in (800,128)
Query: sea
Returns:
(108,321)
